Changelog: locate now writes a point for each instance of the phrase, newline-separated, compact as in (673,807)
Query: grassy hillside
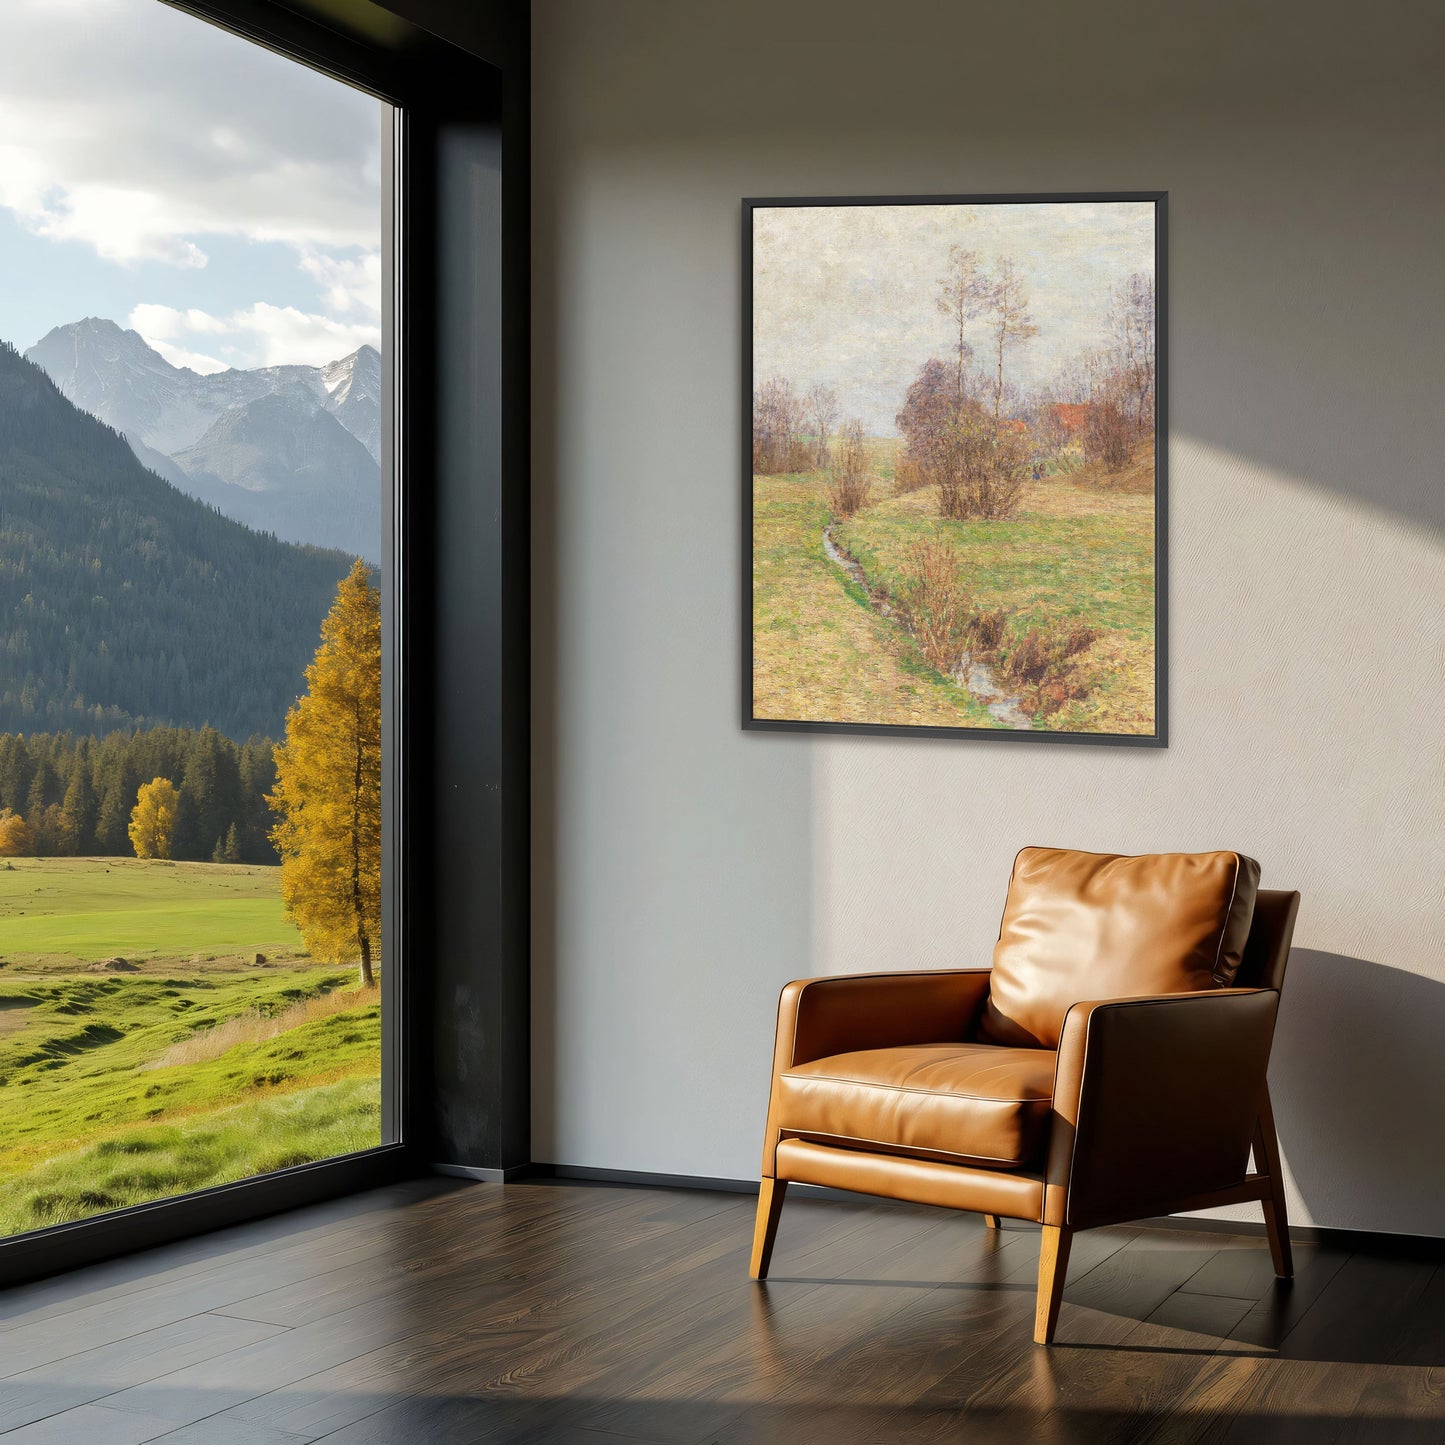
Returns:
(122,600)
(138,1165)
(199,1068)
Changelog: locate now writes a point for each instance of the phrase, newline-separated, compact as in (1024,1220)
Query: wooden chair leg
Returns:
(991,1221)
(765,1230)
(1266,1160)
(1053,1266)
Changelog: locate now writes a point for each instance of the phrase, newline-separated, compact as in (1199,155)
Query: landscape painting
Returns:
(955,466)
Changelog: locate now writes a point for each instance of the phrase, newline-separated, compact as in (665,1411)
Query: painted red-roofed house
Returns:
(1070,417)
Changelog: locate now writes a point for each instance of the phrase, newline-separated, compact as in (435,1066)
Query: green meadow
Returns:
(69,911)
(162,1030)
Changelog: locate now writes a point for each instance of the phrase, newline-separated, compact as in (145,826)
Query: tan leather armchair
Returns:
(1110,1066)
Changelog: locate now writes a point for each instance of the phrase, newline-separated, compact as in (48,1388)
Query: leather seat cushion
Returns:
(1079,926)
(964,1103)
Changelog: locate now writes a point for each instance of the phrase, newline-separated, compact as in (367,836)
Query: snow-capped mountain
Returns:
(353,386)
(276,468)
(284,464)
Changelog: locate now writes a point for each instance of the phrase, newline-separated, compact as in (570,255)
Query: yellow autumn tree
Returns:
(328,785)
(14,834)
(153,819)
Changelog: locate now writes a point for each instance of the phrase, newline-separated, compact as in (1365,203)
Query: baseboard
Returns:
(484,1176)
(1360,1241)
(642,1179)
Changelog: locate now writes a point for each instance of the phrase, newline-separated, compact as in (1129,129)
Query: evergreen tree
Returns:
(14,773)
(122,774)
(187,838)
(95,780)
(80,810)
(45,786)
(257,766)
(327,796)
(211,778)
(125,602)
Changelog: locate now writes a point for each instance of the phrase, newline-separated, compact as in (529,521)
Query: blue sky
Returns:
(223,201)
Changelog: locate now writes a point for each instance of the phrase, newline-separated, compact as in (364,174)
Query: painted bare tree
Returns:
(1131,320)
(823,412)
(964,294)
(852,479)
(777,425)
(1009,322)
(1121,375)
(953,445)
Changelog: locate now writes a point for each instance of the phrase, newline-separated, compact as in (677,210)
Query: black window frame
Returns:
(455,1053)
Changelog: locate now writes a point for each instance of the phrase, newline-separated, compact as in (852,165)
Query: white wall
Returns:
(685,870)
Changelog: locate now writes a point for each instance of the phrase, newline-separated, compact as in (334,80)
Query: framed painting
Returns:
(954,453)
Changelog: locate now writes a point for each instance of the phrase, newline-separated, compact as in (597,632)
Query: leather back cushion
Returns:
(1082,926)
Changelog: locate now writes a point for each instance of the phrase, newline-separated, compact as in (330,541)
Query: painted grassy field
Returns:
(820,653)
(1075,551)
(198,1067)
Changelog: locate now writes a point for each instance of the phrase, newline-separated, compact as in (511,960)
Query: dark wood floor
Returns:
(438,1312)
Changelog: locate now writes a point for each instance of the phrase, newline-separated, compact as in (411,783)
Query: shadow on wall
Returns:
(1358,1082)
(1344,382)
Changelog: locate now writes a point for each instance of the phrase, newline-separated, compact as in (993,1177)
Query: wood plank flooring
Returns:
(438,1311)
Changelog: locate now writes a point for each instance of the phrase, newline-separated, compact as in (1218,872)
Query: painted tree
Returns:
(964,294)
(852,479)
(1009,322)
(922,422)
(1130,361)
(823,413)
(153,819)
(779,415)
(327,797)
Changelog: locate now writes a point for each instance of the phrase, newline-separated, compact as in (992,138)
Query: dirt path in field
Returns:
(977,677)
(14,1012)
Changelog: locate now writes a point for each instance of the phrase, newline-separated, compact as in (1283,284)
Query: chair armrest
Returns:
(1155,1101)
(819,1017)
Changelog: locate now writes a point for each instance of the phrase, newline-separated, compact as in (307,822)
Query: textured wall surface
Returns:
(685,870)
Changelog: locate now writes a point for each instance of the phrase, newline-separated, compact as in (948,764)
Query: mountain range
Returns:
(292,450)
(123,601)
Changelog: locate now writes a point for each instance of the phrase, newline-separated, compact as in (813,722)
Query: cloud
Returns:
(349,284)
(257,335)
(140,131)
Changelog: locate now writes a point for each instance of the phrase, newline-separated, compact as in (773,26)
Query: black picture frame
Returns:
(1160,736)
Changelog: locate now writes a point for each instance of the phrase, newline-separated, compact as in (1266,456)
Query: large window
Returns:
(194,561)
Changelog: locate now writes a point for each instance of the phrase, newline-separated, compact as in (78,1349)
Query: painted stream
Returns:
(977,677)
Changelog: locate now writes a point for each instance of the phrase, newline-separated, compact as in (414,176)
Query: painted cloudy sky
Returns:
(846,295)
(155,170)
